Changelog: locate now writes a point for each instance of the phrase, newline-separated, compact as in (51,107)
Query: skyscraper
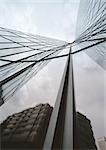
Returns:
(22,55)
(91,30)
(27,130)
(16,71)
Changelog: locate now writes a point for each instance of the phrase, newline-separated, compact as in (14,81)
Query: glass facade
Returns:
(91,30)
(21,57)
(90,64)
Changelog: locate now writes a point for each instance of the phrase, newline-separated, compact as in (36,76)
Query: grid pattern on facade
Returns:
(26,129)
(85,137)
(91,30)
(21,57)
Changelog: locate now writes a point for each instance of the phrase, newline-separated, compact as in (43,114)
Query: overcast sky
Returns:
(57,19)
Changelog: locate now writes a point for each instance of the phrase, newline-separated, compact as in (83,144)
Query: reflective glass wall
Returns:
(90,64)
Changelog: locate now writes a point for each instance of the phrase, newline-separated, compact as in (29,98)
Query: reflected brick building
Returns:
(85,137)
(27,129)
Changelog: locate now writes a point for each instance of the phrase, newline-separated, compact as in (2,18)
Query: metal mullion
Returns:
(13,32)
(11,47)
(21,45)
(17,53)
(12,81)
(24,69)
(20,59)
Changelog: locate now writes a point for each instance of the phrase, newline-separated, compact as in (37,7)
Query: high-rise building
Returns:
(27,129)
(91,30)
(85,137)
(22,55)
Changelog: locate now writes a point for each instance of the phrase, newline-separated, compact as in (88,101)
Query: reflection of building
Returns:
(22,55)
(102,143)
(85,138)
(28,129)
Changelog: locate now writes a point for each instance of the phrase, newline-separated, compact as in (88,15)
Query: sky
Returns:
(56,19)
(45,17)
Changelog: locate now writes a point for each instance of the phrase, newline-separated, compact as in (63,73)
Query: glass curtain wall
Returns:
(90,64)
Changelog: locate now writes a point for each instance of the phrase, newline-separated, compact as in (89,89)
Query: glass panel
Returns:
(3,63)
(41,47)
(90,88)
(18,39)
(29,43)
(9,45)
(4,32)
(42,88)
(3,40)
(89,74)
(21,55)
(91,29)
(13,51)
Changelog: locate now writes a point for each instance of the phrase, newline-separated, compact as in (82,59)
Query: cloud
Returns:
(57,19)
(89,91)
(42,88)
(17,17)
